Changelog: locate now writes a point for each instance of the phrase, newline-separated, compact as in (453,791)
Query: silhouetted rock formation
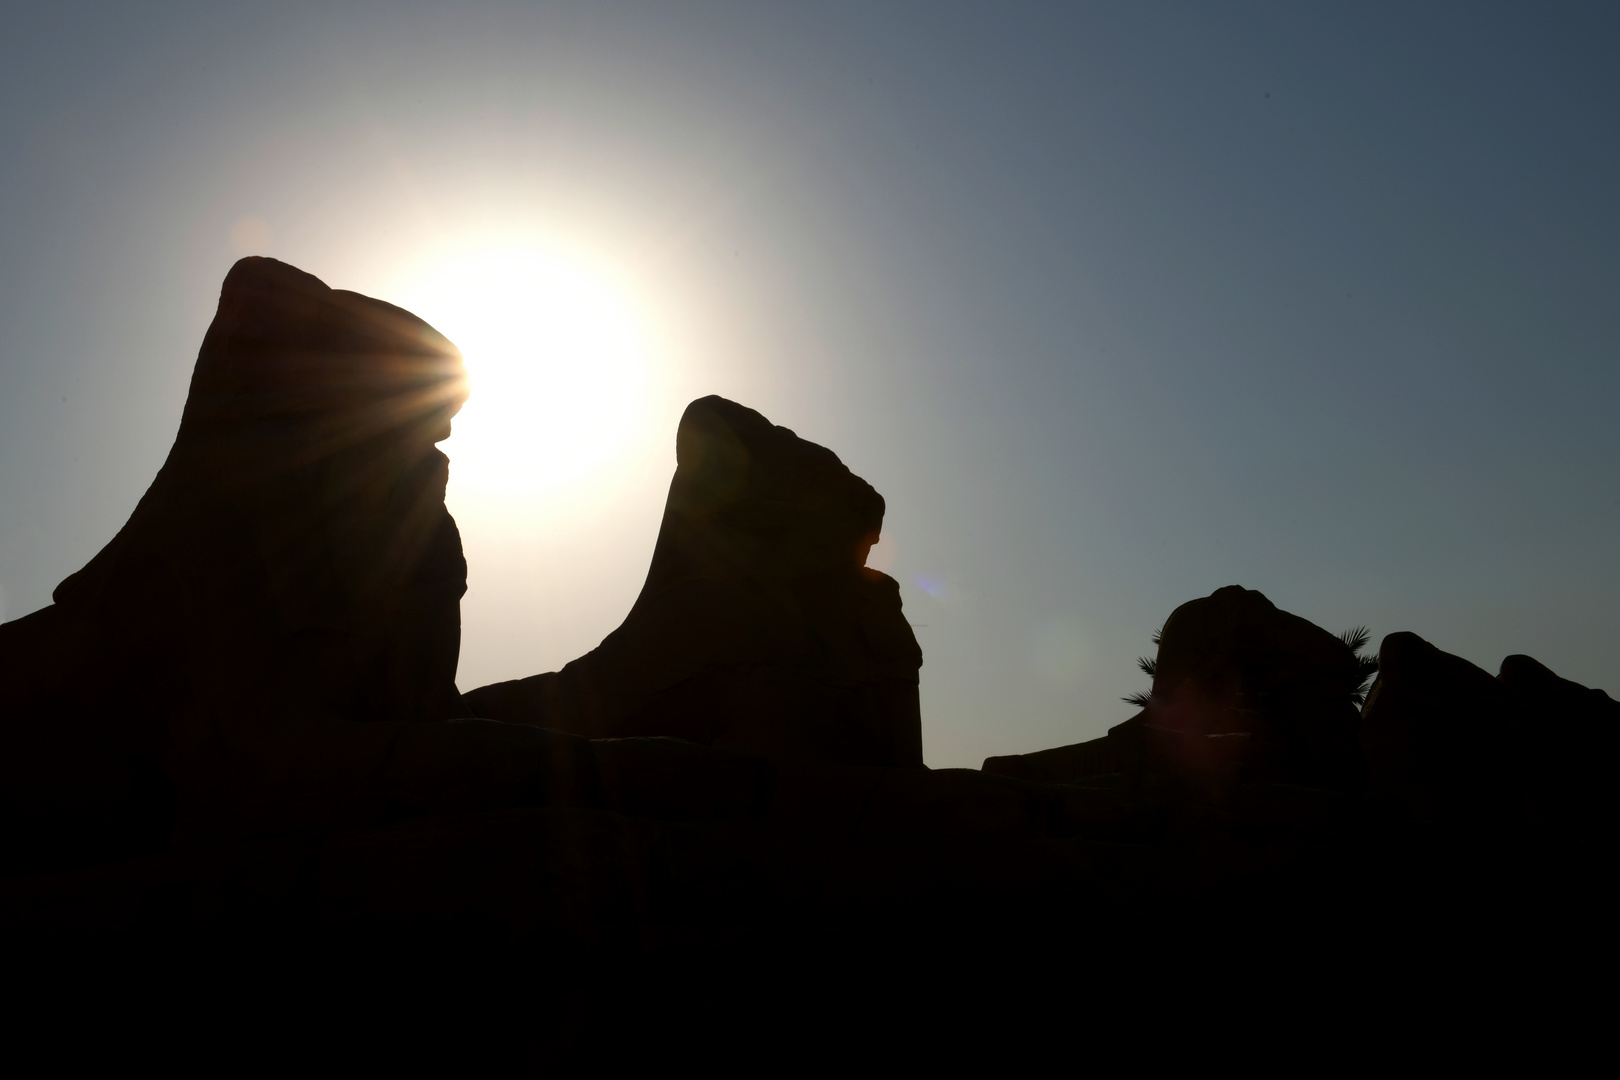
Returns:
(1441,736)
(1446,742)
(759,625)
(270,642)
(1241,692)
(291,570)
(233,754)
(1571,737)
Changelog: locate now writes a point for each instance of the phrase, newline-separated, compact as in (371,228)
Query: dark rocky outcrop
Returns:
(1570,741)
(1242,691)
(290,573)
(1446,742)
(235,762)
(270,642)
(1442,738)
(759,625)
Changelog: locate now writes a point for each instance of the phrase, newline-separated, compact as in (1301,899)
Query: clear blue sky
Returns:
(1115,303)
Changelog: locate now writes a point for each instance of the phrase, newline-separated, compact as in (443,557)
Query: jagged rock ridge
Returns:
(237,728)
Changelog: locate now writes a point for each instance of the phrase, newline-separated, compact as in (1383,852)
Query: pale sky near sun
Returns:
(1116,304)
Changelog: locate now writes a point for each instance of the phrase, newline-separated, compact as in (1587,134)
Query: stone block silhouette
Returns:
(1241,691)
(1441,737)
(270,641)
(759,625)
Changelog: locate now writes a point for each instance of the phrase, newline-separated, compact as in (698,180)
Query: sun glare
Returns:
(557,368)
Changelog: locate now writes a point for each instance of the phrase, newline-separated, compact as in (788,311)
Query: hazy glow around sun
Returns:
(557,364)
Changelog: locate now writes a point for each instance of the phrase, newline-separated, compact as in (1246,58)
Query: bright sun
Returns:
(557,368)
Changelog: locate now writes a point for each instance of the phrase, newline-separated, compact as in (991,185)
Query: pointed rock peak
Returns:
(303,500)
(268,302)
(759,627)
(284,346)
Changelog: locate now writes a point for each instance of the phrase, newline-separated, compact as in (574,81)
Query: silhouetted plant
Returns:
(1366,666)
(1355,638)
(1148,664)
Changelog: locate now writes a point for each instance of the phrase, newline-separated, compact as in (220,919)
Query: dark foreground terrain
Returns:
(250,823)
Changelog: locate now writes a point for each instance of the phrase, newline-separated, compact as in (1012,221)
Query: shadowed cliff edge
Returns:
(234,750)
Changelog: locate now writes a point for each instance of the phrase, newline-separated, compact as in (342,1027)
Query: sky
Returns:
(1116,304)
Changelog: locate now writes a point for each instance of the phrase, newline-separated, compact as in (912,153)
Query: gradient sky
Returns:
(1115,303)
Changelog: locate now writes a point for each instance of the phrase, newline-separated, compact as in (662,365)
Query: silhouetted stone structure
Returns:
(759,626)
(1242,692)
(291,570)
(234,754)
